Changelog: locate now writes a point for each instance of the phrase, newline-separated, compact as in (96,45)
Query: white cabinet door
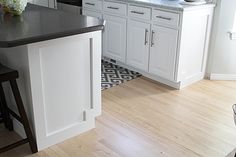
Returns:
(138,44)
(92,13)
(114,38)
(163,52)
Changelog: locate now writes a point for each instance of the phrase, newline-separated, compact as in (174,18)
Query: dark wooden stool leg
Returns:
(2,119)
(23,115)
(4,109)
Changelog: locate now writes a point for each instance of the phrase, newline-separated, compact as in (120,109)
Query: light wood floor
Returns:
(143,119)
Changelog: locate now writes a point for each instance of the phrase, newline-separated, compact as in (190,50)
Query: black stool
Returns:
(10,75)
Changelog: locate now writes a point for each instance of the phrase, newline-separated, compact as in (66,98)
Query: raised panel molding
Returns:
(138,44)
(55,76)
(73,90)
(163,52)
(115,38)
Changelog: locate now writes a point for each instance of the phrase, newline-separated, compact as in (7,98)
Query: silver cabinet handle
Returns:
(162,17)
(115,8)
(90,4)
(152,38)
(146,39)
(137,12)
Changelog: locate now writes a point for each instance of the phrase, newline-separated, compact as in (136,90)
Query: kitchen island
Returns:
(58,56)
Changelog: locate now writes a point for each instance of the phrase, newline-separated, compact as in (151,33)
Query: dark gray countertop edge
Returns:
(7,44)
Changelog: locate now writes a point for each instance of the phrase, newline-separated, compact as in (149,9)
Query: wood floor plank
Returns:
(142,118)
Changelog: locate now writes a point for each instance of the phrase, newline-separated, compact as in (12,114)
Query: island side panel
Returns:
(64,85)
(192,56)
(47,94)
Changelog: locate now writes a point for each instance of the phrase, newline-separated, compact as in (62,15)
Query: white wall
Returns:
(222,59)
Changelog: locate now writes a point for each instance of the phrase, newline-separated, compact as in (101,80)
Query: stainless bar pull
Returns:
(115,8)
(146,38)
(137,12)
(90,4)
(162,17)
(152,38)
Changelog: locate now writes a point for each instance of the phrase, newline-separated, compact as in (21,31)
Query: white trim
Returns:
(190,80)
(222,76)
(170,83)
(175,84)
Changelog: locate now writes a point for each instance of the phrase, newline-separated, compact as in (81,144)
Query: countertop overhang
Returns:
(40,23)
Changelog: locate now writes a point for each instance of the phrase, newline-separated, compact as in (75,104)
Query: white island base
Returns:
(60,84)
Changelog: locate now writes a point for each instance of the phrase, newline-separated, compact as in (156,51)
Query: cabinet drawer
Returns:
(115,8)
(140,12)
(166,18)
(92,14)
(93,4)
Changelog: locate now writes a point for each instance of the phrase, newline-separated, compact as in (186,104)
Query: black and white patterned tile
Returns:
(113,75)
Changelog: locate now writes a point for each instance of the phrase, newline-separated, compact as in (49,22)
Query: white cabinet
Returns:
(163,52)
(92,13)
(68,8)
(115,8)
(41,2)
(165,18)
(114,38)
(164,44)
(45,3)
(139,12)
(92,4)
(138,44)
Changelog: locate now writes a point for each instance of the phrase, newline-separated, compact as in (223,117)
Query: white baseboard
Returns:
(222,77)
(177,85)
(190,80)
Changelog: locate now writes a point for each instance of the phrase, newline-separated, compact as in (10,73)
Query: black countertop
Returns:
(40,23)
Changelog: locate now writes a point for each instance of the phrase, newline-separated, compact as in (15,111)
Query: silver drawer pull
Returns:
(146,39)
(165,18)
(115,8)
(90,4)
(137,12)
(152,38)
